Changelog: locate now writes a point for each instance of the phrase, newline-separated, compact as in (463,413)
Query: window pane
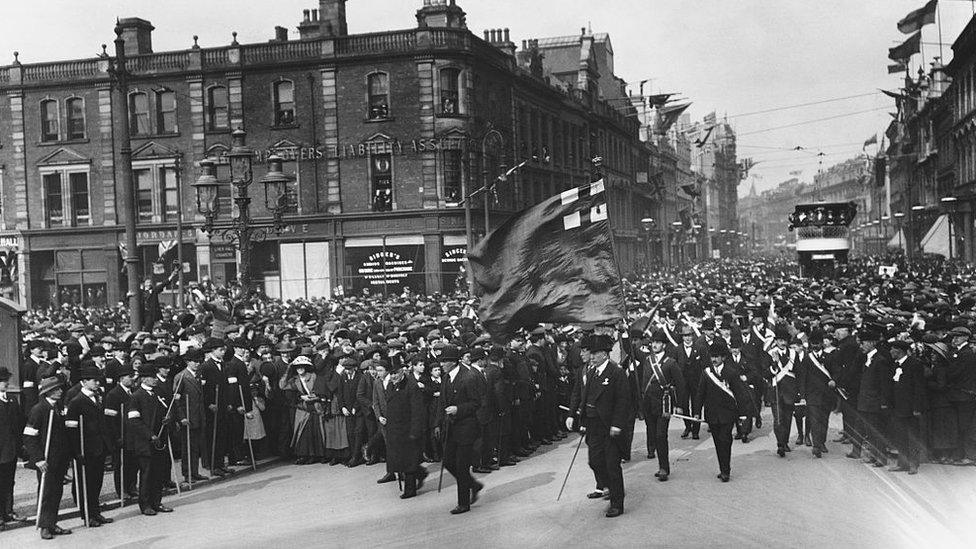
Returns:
(79,197)
(76,119)
(49,121)
(166,103)
(379,104)
(284,103)
(218,109)
(139,113)
(381,168)
(452,176)
(167,176)
(449,91)
(52,199)
(144,198)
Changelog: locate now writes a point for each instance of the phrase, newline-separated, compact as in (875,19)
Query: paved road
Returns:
(771,502)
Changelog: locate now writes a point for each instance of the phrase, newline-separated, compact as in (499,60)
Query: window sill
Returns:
(292,126)
(378,120)
(61,142)
(455,115)
(155,135)
(217,131)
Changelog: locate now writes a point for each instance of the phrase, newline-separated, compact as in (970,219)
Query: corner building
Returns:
(383,133)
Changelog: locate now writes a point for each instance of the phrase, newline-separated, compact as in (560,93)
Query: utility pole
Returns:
(127,202)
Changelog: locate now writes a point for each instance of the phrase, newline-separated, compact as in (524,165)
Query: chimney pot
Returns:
(525,44)
(506,36)
(583,31)
(486,35)
(494,36)
(305,16)
(315,15)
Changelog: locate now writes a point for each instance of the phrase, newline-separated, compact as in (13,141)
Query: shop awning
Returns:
(936,241)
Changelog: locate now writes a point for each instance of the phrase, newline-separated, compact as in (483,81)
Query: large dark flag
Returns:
(915,20)
(552,262)
(906,49)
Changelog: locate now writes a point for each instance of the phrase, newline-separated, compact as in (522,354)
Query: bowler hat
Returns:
(450,353)
(4,374)
(49,384)
(601,342)
(212,344)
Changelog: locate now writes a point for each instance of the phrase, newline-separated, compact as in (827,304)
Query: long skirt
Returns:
(254,427)
(336,437)
(308,437)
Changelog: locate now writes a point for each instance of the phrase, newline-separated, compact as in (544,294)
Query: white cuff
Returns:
(30,431)
(134,414)
(71,424)
(110,412)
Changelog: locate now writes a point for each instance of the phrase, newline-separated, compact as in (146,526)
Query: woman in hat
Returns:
(336,433)
(308,434)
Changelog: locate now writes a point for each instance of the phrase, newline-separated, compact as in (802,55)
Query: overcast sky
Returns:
(734,57)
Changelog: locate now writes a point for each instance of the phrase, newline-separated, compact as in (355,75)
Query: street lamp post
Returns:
(127,197)
(898,217)
(949,203)
(242,230)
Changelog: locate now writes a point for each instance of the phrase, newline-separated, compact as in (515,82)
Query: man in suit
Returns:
(816,387)
(961,394)
(11,432)
(30,370)
(722,396)
(49,451)
(91,440)
(872,399)
(116,406)
(782,378)
(603,408)
(907,401)
(146,437)
(238,399)
(189,412)
(462,396)
(378,402)
(747,366)
(662,391)
(218,396)
(845,365)
(691,361)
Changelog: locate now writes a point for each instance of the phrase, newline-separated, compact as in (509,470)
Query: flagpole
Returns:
(598,173)
(179,230)
(938,16)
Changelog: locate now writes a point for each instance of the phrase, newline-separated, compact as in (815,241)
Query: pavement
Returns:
(799,501)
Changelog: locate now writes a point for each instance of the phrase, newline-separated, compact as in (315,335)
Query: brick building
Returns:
(383,133)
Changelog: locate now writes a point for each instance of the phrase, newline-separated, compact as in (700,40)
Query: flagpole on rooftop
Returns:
(938,16)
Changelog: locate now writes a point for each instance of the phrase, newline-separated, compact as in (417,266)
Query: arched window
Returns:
(76,118)
(166,111)
(284,103)
(379,96)
(218,112)
(450,91)
(139,113)
(50,127)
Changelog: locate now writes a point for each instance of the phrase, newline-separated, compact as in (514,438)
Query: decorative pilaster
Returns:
(19,179)
(330,128)
(425,75)
(106,135)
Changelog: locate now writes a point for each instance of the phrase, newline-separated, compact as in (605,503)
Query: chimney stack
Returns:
(486,36)
(305,18)
(507,41)
(315,15)
(137,34)
(281,34)
(332,15)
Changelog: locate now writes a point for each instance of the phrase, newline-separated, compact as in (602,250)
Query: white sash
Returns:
(786,370)
(719,383)
(667,333)
(813,359)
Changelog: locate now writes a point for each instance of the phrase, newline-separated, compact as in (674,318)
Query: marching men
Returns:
(662,392)
(722,396)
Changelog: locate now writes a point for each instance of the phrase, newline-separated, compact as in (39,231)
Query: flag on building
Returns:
(873,140)
(165,246)
(897,68)
(915,20)
(904,51)
(552,262)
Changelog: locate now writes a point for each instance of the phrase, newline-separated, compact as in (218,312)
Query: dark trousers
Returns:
(94,477)
(722,437)
(53,490)
(905,437)
(817,418)
(966,420)
(693,427)
(376,447)
(457,461)
(604,459)
(218,443)
(128,465)
(799,414)
(282,420)
(411,479)
(657,440)
(191,456)
(782,414)
(7,473)
(356,433)
(852,424)
(153,472)
(875,439)
(486,443)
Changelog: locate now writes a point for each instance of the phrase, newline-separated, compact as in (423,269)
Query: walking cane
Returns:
(47,451)
(213,443)
(578,445)
(122,455)
(189,451)
(250,444)
(440,480)
(83,494)
(169,445)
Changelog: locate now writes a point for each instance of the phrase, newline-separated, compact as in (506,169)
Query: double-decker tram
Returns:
(823,239)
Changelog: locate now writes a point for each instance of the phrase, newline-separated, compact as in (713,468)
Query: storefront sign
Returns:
(393,147)
(386,269)
(9,241)
(452,257)
(223,252)
(154,236)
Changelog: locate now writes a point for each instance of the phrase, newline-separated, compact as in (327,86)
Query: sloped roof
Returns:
(564,41)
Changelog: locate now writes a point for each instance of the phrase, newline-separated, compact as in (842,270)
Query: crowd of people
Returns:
(404,380)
